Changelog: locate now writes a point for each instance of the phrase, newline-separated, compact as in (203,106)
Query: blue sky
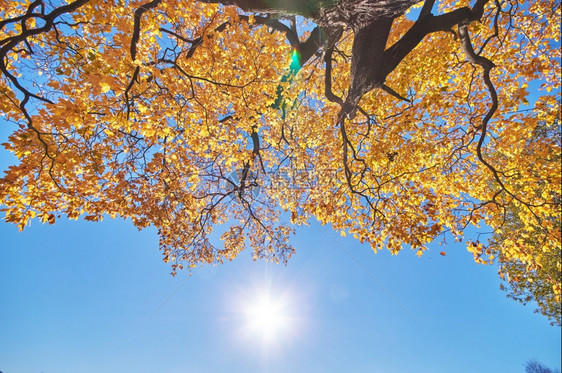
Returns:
(85,297)
(96,297)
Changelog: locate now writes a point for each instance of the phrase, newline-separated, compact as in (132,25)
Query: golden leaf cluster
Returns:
(200,124)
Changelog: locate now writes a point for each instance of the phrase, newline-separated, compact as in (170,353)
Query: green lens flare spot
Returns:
(295,58)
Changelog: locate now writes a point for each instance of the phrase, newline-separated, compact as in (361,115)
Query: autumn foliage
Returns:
(189,117)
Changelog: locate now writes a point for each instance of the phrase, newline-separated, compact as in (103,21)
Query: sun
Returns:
(268,317)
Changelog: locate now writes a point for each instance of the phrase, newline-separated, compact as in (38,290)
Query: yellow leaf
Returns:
(105,87)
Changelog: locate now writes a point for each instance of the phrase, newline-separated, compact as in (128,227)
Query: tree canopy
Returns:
(396,121)
(534,366)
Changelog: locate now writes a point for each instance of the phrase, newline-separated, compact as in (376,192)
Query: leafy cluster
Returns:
(192,116)
(529,258)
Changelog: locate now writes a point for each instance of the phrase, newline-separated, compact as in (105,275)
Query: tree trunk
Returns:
(371,21)
(350,13)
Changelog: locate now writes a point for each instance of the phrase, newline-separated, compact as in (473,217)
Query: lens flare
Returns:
(295,61)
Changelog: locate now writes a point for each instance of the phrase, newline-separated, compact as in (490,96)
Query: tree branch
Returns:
(305,8)
(137,25)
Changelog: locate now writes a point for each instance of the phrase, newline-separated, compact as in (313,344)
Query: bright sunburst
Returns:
(269,314)
(268,317)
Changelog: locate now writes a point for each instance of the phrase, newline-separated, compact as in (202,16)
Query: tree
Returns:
(535,279)
(534,366)
(392,130)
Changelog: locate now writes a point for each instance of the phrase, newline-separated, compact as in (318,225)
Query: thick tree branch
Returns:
(426,9)
(367,59)
(275,24)
(425,25)
(393,93)
(312,44)
(328,78)
(306,8)
(137,25)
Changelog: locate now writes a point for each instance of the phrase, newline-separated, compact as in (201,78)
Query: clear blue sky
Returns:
(79,297)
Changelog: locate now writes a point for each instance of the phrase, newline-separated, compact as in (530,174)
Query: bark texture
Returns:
(360,13)
(347,13)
